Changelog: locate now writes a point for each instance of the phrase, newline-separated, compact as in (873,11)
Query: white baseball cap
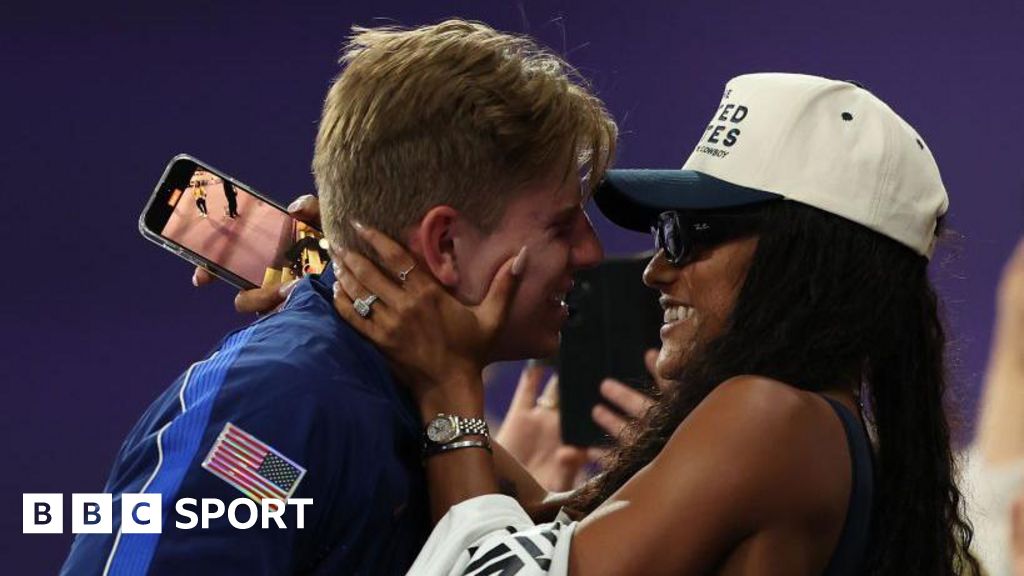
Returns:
(824,143)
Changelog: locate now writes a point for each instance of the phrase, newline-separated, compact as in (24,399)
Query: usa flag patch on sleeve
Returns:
(253,467)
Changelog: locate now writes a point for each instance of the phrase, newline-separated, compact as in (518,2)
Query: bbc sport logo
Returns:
(143,513)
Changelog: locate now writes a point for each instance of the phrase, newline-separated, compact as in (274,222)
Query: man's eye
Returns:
(563,228)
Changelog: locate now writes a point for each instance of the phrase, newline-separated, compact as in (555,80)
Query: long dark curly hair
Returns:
(828,301)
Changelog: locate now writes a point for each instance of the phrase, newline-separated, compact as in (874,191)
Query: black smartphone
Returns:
(226,227)
(614,319)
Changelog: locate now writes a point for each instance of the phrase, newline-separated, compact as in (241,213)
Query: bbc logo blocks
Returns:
(91,513)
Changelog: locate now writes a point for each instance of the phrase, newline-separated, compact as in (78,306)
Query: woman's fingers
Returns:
(492,311)
(633,402)
(380,326)
(343,304)
(609,420)
(425,331)
(526,390)
(202,277)
(568,461)
(370,277)
(265,298)
(306,209)
(349,284)
(392,254)
(549,397)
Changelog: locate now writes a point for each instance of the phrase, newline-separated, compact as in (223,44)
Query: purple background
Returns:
(96,99)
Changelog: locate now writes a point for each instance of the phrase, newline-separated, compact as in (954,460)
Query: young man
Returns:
(466,143)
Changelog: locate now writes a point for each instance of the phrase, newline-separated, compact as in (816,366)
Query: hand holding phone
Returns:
(230,230)
(270,295)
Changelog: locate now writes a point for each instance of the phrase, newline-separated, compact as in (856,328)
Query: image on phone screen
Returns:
(231,228)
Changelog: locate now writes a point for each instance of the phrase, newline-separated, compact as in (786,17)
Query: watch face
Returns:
(440,430)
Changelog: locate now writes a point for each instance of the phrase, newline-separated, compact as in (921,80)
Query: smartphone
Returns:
(226,227)
(614,319)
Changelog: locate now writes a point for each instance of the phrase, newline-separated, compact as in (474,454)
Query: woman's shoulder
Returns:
(762,404)
(778,441)
(752,468)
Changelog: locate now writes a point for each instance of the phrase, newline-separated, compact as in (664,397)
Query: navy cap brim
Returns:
(633,199)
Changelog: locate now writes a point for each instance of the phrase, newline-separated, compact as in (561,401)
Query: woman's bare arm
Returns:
(755,454)
(514,480)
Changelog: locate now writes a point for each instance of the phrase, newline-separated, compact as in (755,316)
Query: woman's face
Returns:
(697,298)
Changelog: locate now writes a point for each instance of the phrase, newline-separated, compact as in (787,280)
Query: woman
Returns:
(792,266)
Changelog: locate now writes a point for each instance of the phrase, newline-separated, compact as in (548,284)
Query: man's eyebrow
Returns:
(565,213)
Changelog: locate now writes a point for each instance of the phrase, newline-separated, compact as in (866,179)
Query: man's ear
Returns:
(434,239)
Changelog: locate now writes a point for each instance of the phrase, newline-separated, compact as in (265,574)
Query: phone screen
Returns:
(232,230)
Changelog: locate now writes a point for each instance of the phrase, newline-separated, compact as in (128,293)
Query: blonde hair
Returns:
(457,114)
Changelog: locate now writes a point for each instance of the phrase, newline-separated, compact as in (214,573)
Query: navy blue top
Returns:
(848,557)
(305,384)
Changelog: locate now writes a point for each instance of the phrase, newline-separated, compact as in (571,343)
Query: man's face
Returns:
(548,219)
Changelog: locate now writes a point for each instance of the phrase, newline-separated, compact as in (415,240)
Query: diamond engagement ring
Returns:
(405,273)
(364,306)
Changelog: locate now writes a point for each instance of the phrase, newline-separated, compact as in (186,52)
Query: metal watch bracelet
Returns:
(472,426)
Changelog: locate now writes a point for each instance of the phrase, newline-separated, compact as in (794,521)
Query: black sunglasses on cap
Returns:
(682,234)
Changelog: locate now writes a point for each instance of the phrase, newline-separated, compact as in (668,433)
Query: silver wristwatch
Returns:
(446,428)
